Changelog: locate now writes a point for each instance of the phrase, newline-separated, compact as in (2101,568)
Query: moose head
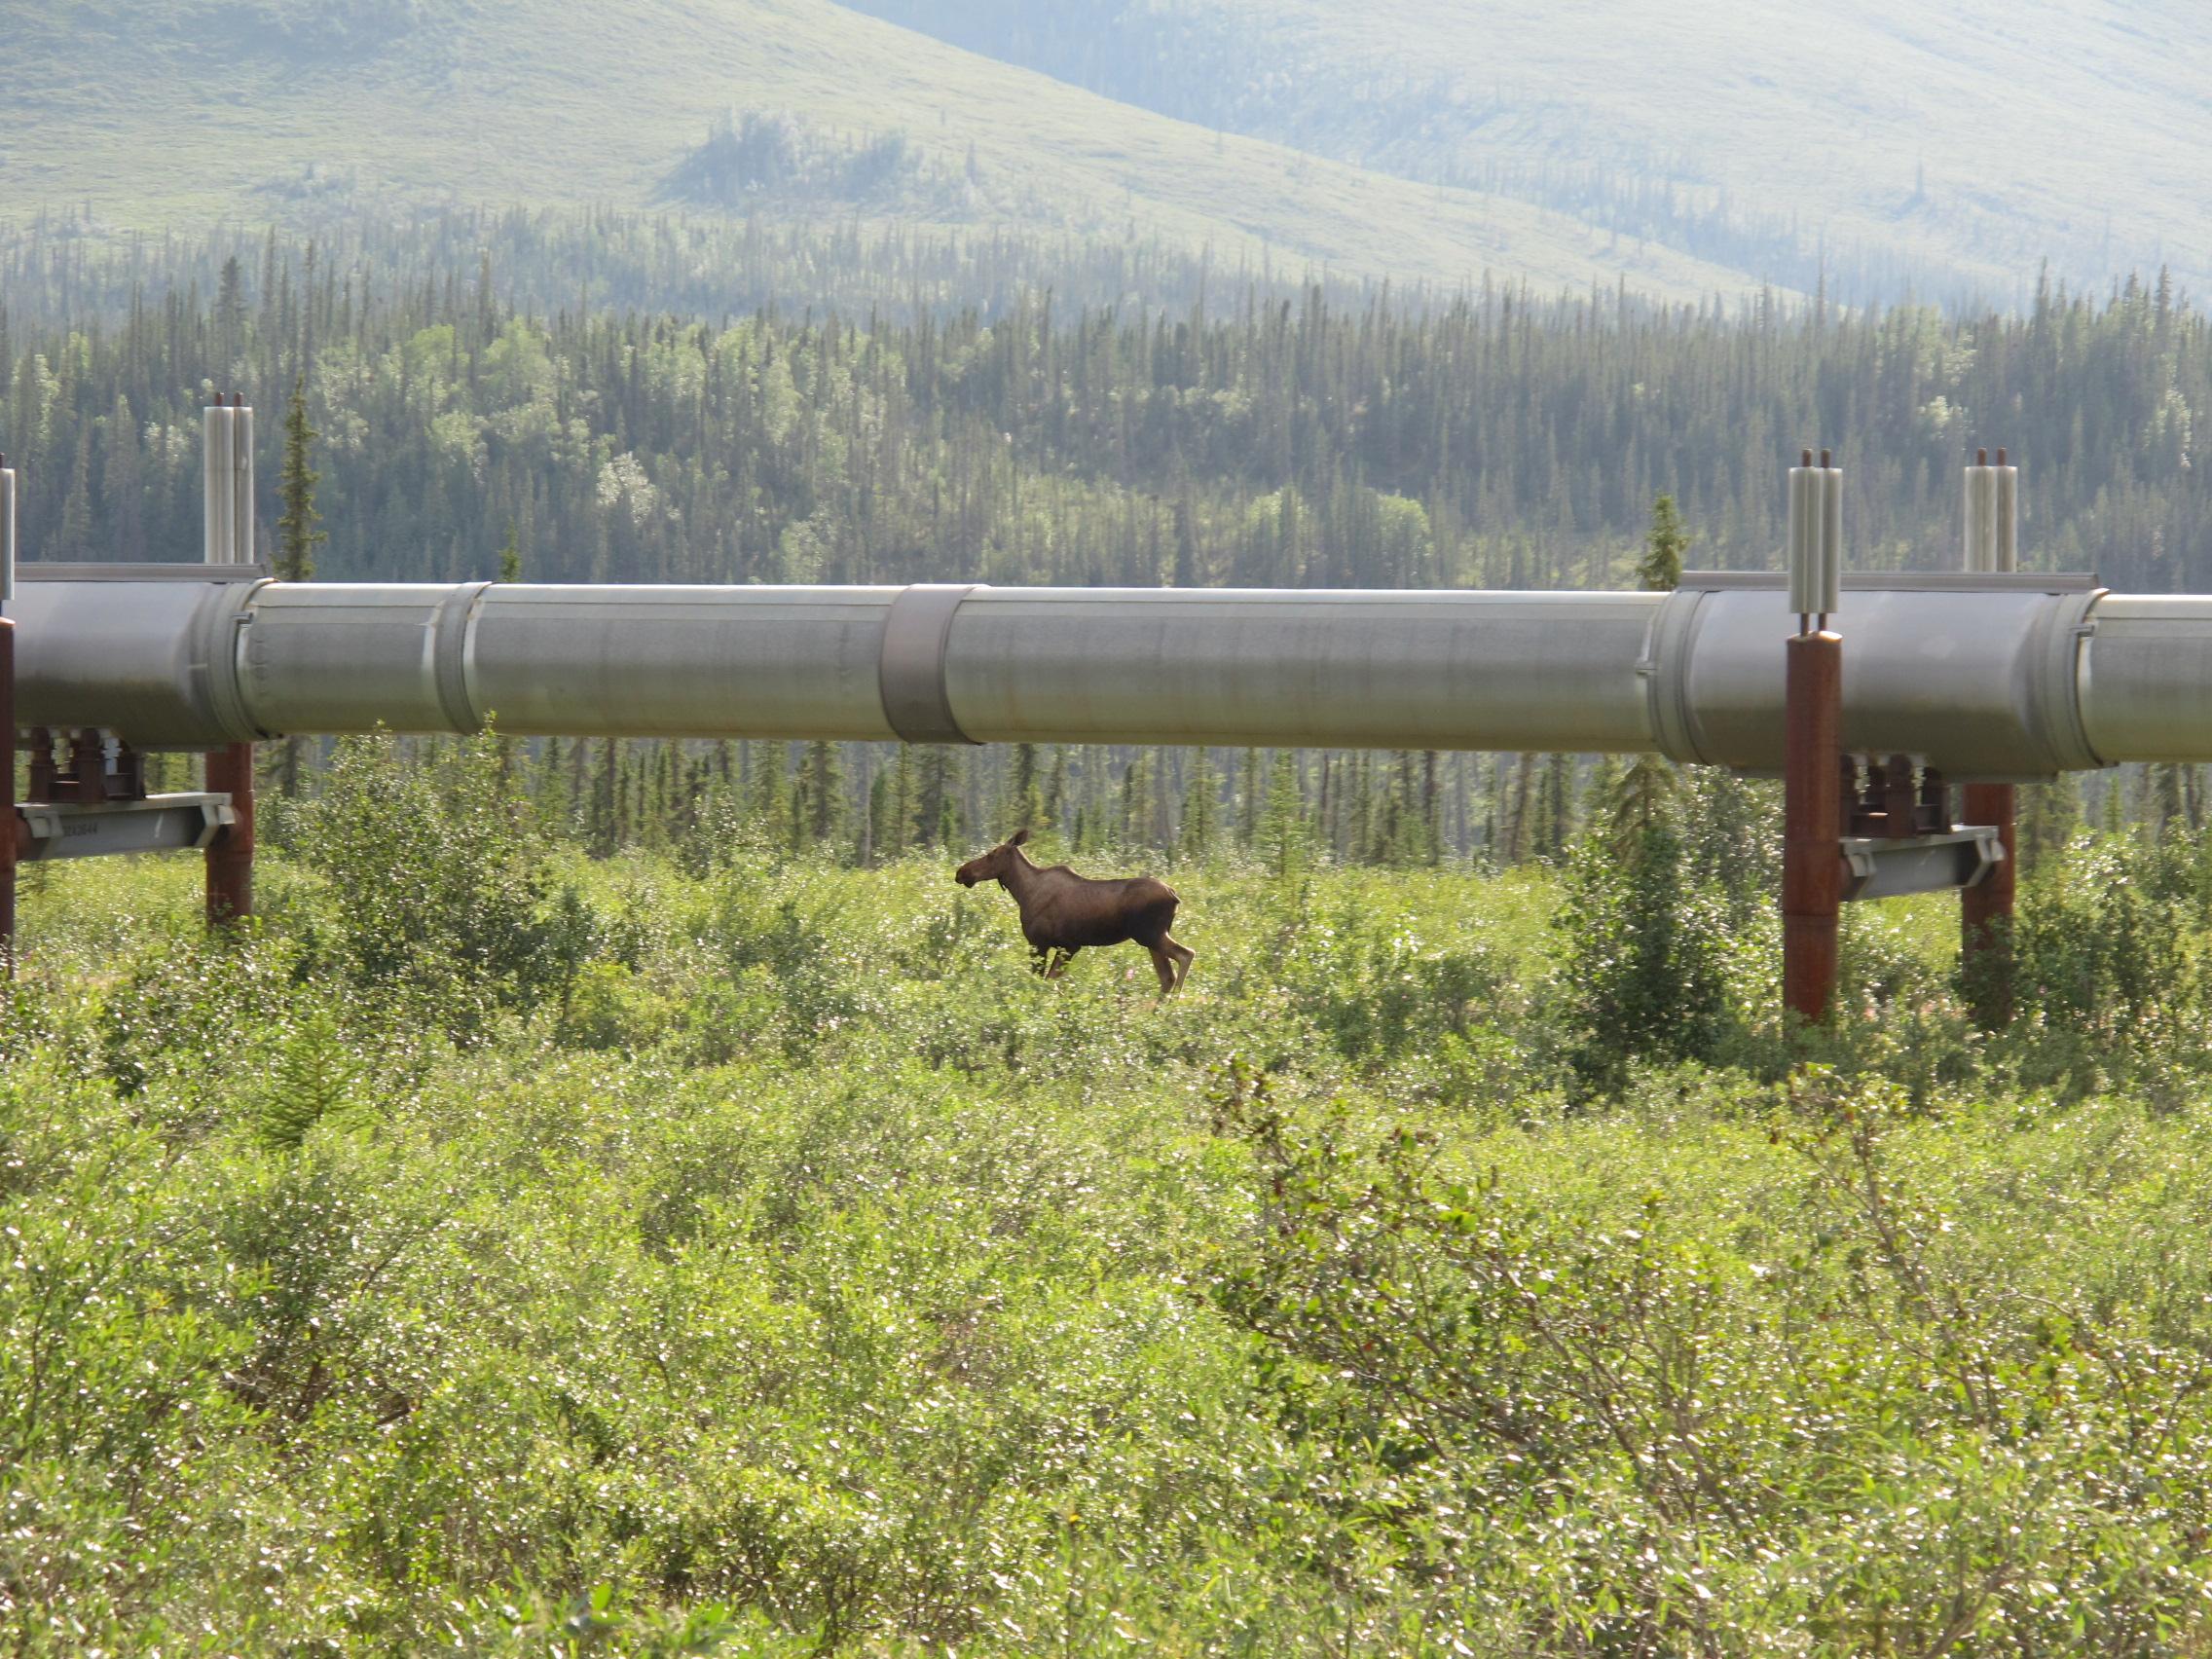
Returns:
(993,864)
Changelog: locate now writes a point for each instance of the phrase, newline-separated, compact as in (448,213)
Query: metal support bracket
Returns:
(158,823)
(1884,869)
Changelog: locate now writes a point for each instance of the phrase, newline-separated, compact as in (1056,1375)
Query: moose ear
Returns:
(1019,836)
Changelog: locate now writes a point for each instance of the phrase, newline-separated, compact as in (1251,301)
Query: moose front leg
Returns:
(1060,960)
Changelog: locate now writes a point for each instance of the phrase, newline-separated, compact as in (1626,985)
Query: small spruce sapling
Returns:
(1660,569)
(296,538)
(296,534)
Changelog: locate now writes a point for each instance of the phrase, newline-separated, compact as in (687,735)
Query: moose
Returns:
(1062,912)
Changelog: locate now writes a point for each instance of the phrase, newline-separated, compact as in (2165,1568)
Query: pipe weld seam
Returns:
(909,665)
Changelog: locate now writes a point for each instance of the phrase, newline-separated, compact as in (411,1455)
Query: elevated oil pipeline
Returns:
(1997,675)
(1983,677)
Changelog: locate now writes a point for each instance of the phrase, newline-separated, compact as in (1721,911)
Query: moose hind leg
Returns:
(1184,956)
(1061,957)
(1163,965)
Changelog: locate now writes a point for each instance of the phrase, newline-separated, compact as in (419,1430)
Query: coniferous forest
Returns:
(624,1198)
(1246,435)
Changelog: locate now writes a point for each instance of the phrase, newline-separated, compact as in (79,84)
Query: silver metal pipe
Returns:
(242,526)
(1978,674)
(1987,676)
(154,661)
(1992,514)
(2146,683)
(217,497)
(1815,560)
(227,483)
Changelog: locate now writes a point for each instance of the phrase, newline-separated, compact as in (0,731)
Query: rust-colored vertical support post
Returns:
(10,824)
(1985,910)
(1812,864)
(229,856)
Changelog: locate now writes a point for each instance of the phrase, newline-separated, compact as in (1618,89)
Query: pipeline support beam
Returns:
(230,855)
(1985,910)
(10,829)
(1812,861)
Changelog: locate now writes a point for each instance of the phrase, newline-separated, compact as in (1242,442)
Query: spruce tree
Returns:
(297,539)
(1644,977)
(1648,784)
(2051,817)
(896,832)
(821,787)
(772,795)
(1136,801)
(937,809)
(1024,807)
(1201,808)
(1283,829)
(296,534)
(1248,792)
(1057,787)
(1660,571)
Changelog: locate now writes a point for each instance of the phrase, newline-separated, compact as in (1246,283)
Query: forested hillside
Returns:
(316,113)
(1984,139)
(1499,438)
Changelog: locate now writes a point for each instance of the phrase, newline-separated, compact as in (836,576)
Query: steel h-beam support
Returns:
(229,464)
(1985,911)
(11,827)
(11,823)
(1812,849)
(1812,866)
(229,856)
(1992,521)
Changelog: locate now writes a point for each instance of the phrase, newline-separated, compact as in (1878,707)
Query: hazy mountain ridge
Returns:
(185,111)
(1951,150)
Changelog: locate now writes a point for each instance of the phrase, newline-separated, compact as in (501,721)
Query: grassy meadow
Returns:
(496,1251)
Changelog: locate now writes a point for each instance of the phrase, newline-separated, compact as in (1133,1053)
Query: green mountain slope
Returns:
(170,111)
(1955,145)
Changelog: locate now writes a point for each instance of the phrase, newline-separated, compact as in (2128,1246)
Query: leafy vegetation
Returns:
(1490,441)
(622,1197)
(498,1249)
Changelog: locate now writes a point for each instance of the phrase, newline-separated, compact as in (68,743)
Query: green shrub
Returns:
(435,891)
(775,1264)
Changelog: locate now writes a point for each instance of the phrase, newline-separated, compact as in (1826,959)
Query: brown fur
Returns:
(1062,912)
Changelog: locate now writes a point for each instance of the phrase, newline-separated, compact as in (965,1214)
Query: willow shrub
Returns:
(764,1261)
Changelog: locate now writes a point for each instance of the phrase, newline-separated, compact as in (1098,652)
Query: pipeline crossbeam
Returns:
(1986,676)
(155,823)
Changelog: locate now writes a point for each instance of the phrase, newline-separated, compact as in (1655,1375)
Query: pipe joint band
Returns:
(910,667)
(455,631)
